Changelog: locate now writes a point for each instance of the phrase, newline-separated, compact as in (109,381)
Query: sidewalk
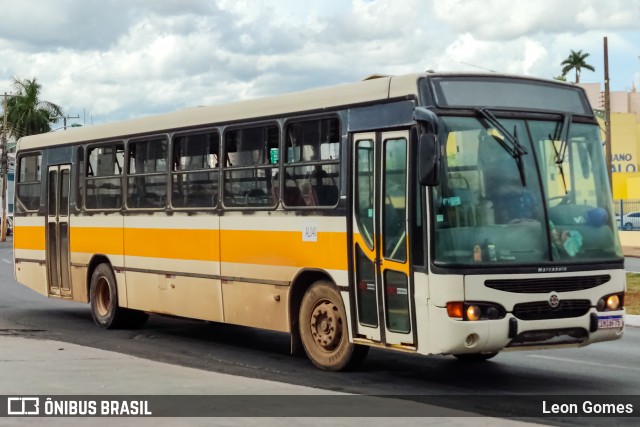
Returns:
(630,241)
(51,368)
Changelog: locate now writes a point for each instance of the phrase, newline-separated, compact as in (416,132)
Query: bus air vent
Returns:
(541,310)
(548,284)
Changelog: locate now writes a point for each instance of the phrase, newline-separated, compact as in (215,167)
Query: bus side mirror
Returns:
(428,160)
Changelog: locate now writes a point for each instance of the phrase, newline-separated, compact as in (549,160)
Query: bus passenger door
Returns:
(58,186)
(380,245)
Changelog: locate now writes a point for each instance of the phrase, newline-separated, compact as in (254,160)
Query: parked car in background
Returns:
(630,221)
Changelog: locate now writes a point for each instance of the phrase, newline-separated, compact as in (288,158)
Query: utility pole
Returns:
(3,160)
(65,119)
(607,114)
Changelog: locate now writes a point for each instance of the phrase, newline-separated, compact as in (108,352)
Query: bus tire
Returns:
(323,329)
(103,294)
(475,357)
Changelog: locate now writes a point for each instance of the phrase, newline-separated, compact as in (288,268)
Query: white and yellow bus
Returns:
(458,214)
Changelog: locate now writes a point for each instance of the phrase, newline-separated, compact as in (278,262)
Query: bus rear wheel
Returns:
(324,332)
(103,294)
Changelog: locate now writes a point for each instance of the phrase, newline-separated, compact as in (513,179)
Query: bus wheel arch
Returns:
(324,330)
(299,285)
(96,260)
(103,298)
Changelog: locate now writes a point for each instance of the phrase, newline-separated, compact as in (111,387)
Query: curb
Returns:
(632,320)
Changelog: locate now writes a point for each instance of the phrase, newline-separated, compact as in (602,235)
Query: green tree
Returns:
(27,114)
(576,61)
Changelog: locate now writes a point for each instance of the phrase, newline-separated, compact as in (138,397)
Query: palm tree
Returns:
(26,113)
(576,61)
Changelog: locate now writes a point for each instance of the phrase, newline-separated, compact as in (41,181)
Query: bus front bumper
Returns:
(510,333)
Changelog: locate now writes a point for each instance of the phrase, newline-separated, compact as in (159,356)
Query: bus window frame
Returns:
(126,173)
(337,162)
(218,169)
(223,168)
(40,181)
(78,188)
(87,179)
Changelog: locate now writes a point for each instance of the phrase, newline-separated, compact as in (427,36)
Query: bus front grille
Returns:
(548,284)
(541,310)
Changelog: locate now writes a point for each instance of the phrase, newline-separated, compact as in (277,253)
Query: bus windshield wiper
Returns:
(509,143)
(563,133)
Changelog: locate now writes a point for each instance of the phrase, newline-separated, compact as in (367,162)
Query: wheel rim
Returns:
(326,325)
(103,297)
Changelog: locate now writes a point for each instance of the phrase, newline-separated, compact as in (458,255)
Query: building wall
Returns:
(625,138)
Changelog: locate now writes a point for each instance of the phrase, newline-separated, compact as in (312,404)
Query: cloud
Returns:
(500,20)
(117,62)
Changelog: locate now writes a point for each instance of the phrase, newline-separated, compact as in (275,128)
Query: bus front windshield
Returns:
(516,191)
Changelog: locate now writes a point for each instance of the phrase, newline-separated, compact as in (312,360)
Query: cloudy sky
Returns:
(115,59)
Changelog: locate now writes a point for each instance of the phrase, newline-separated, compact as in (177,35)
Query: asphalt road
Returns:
(632,264)
(601,369)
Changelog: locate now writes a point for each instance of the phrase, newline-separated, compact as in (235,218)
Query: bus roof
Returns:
(312,100)
(373,88)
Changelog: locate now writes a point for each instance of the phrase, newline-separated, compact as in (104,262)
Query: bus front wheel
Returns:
(323,329)
(103,294)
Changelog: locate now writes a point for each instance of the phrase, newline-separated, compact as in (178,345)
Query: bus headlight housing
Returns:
(611,302)
(473,311)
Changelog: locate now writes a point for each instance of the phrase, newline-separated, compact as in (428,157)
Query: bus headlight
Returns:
(610,302)
(473,311)
(613,302)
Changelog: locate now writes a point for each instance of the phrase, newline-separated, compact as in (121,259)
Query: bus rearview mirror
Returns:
(428,160)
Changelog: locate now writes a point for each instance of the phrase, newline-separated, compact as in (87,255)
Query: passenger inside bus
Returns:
(291,193)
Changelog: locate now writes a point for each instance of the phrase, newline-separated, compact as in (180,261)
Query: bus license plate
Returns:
(609,322)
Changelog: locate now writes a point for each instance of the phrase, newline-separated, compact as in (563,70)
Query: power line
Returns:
(478,66)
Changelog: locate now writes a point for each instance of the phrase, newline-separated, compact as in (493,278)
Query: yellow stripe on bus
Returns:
(285,248)
(29,237)
(96,240)
(197,245)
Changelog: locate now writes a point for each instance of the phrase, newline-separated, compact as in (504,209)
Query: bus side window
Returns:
(28,184)
(103,184)
(194,170)
(249,172)
(312,150)
(147,174)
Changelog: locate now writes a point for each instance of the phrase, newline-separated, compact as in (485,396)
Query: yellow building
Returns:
(625,138)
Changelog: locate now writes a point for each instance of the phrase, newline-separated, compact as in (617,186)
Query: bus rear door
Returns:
(57,232)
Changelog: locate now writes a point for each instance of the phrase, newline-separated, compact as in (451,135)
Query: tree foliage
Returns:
(576,61)
(27,114)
